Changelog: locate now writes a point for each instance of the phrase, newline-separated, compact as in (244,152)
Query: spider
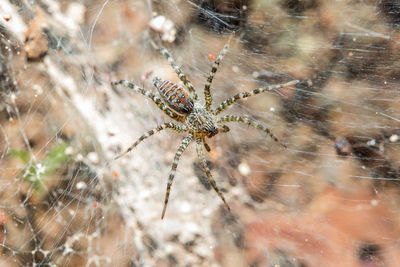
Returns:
(199,121)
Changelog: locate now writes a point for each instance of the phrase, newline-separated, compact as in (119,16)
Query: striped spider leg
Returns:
(214,68)
(178,71)
(225,104)
(202,158)
(228,102)
(150,95)
(184,144)
(168,125)
(250,122)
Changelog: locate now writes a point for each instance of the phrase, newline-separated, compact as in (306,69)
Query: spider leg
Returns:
(214,69)
(178,71)
(186,141)
(224,129)
(206,146)
(255,124)
(200,154)
(150,95)
(170,125)
(228,102)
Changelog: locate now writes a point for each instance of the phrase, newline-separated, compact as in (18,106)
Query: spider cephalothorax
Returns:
(201,121)
(197,120)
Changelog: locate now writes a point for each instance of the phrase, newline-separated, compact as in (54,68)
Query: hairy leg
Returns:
(186,141)
(168,125)
(222,129)
(200,154)
(150,95)
(178,71)
(228,102)
(206,146)
(255,124)
(214,69)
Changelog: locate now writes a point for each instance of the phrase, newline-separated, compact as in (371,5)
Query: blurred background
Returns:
(330,199)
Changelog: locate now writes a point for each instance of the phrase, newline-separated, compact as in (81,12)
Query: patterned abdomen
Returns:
(175,96)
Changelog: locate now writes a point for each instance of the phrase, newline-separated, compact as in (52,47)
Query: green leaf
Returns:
(55,157)
(20,154)
(36,173)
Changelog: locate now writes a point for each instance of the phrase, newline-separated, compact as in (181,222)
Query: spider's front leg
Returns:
(255,124)
(206,146)
(186,141)
(168,125)
(228,102)
(222,129)
(200,154)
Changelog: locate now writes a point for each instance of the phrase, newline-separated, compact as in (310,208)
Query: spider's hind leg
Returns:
(200,154)
(178,71)
(150,95)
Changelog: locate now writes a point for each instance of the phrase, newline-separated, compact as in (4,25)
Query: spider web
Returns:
(330,198)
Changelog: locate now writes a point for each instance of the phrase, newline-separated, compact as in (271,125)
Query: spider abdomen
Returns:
(175,96)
